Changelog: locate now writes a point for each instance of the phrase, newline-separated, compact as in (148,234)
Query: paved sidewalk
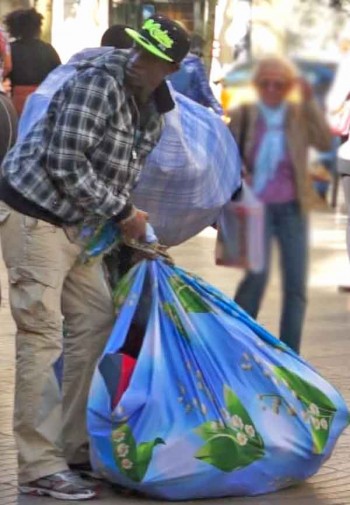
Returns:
(326,345)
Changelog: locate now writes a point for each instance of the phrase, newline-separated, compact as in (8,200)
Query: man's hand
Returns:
(134,227)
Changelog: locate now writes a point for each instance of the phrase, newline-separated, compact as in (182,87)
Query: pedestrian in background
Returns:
(5,58)
(78,163)
(192,81)
(274,136)
(338,104)
(32,58)
(8,116)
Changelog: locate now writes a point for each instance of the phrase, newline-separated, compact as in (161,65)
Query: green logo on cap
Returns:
(156,32)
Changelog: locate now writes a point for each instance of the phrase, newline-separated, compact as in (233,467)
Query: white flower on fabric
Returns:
(126,464)
(315,411)
(324,424)
(305,415)
(249,430)
(225,414)
(182,389)
(195,402)
(237,422)
(180,399)
(204,409)
(119,410)
(118,436)
(246,356)
(267,373)
(122,450)
(257,359)
(199,374)
(242,439)
(200,385)
(316,423)
(246,366)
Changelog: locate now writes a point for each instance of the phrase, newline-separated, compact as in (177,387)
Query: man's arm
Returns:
(77,132)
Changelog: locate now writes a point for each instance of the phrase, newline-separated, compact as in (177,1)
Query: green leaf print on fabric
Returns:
(171,312)
(318,409)
(132,460)
(188,297)
(123,289)
(231,442)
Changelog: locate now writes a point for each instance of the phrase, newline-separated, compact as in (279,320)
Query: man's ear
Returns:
(173,67)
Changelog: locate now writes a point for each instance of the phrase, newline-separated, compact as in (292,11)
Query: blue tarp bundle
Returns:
(189,176)
(216,406)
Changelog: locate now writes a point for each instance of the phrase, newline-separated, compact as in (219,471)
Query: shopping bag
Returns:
(190,175)
(339,121)
(240,239)
(210,404)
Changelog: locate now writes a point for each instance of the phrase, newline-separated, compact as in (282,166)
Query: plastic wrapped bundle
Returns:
(207,403)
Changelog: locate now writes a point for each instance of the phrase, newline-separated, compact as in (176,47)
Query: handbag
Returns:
(339,121)
(240,238)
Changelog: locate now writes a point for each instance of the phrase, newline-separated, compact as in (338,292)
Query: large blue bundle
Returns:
(215,406)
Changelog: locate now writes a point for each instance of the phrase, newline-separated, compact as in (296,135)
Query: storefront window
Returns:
(7,6)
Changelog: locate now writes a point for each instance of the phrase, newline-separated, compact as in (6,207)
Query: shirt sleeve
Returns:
(206,95)
(77,132)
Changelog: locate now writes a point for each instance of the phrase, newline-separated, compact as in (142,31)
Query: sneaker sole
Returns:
(35,491)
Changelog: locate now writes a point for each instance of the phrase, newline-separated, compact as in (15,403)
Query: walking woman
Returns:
(274,136)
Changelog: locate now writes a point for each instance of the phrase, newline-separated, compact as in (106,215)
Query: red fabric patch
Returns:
(126,370)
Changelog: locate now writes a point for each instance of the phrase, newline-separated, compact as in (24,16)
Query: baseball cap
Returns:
(162,37)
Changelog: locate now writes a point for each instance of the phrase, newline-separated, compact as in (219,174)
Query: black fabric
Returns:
(8,125)
(243,130)
(32,61)
(163,98)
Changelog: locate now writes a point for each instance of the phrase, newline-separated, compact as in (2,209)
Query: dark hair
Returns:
(24,23)
(197,43)
(116,36)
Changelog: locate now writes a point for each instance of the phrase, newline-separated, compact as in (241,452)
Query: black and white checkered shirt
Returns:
(85,155)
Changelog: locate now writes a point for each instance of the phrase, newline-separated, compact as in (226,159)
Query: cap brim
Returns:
(146,44)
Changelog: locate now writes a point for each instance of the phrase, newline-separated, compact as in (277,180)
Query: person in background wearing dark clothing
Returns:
(192,80)
(116,36)
(32,58)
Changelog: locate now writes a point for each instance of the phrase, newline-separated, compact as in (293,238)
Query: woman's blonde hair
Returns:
(275,63)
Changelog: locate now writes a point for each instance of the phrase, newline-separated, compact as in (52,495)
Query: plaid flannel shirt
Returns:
(85,155)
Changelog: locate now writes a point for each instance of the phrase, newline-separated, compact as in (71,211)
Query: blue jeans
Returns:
(285,223)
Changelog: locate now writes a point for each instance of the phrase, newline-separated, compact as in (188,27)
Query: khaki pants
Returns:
(46,282)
